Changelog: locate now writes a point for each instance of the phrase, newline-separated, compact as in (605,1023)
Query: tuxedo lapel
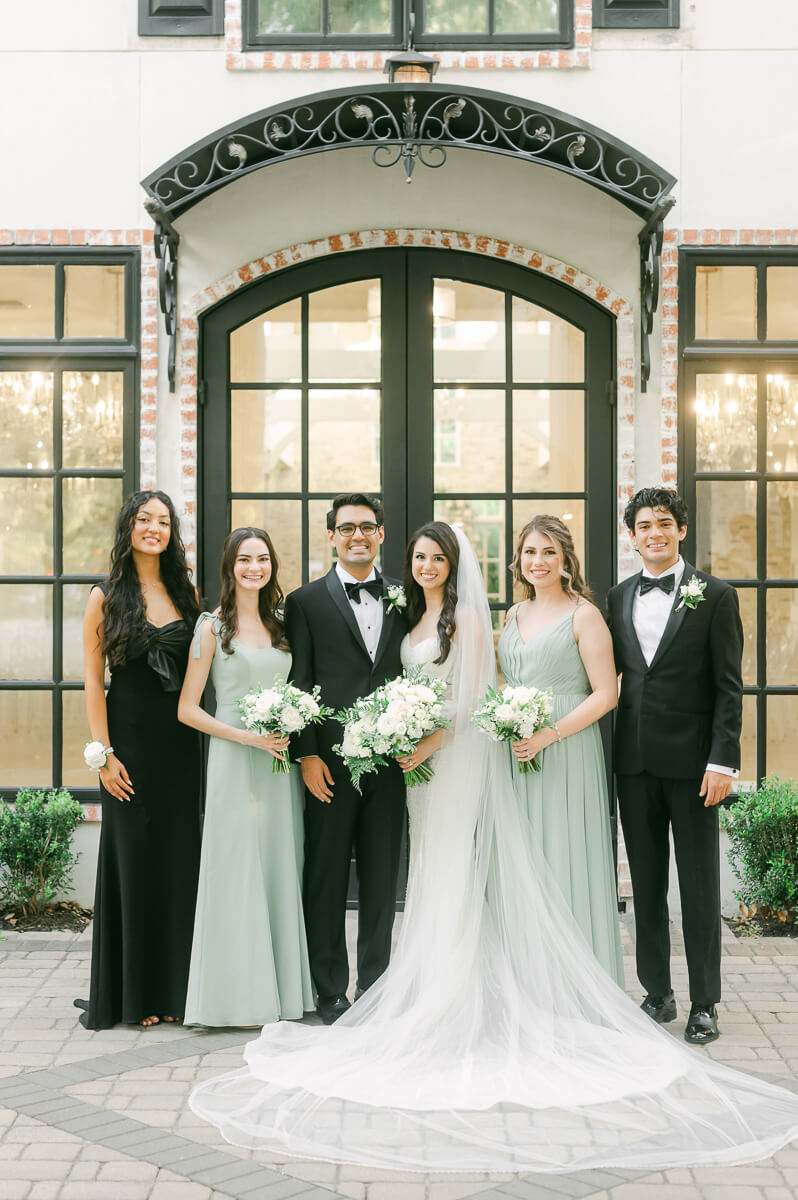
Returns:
(627,613)
(338,596)
(388,618)
(675,618)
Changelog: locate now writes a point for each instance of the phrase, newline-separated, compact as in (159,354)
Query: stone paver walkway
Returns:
(104,1116)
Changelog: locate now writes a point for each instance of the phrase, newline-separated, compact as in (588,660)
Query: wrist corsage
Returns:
(395,597)
(96,754)
(692,593)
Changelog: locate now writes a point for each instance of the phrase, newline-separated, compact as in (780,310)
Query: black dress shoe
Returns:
(660,1008)
(702,1025)
(332,1007)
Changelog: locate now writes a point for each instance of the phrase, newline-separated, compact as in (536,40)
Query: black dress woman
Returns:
(140,624)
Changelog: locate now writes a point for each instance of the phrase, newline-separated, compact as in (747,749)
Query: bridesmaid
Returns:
(249,960)
(139,623)
(556,639)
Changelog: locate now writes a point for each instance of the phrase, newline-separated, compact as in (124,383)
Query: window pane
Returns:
(725,422)
(320,555)
(478,422)
(282,520)
(289,16)
(782,719)
(468,332)
(269,348)
(783,530)
(26,631)
(725,302)
(747,598)
(468,16)
(93,404)
(26,719)
(26,419)
(26,523)
(343,441)
(726,529)
(546,349)
(527,16)
(360,16)
(782,306)
(90,508)
(782,636)
(76,734)
(94,302)
(548,441)
(344,335)
(27,301)
(748,741)
(74,599)
(265,446)
(482,521)
(782,422)
(572,512)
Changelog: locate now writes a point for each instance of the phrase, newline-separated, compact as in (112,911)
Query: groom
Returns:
(678,643)
(345,633)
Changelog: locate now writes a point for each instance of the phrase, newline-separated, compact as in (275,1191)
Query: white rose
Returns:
(291,719)
(94,755)
(265,702)
(504,713)
(387,725)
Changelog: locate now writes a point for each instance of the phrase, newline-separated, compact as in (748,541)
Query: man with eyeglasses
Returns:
(345,636)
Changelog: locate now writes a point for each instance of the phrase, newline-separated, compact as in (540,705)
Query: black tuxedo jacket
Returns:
(685,709)
(327,649)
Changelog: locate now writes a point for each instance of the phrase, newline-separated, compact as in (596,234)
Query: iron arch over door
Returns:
(469,389)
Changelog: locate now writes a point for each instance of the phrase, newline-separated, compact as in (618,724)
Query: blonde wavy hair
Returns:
(559,534)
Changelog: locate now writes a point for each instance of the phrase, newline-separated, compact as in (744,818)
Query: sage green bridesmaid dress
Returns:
(566,801)
(249,957)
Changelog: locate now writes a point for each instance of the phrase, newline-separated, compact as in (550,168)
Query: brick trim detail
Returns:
(237,59)
(534,260)
(148,408)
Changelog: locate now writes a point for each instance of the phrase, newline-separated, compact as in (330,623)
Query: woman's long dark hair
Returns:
(124,614)
(441,533)
(270,597)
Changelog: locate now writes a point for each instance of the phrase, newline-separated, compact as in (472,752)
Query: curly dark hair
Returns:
(359,500)
(436,531)
(559,534)
(124,615)
(656,497)
(270,597)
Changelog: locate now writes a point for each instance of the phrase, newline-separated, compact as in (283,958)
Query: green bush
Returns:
(36,857)
(763,845)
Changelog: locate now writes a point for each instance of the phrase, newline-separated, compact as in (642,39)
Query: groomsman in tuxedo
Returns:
(345,635)
(678,642)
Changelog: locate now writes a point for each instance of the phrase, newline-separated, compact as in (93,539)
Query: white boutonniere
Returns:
(395,597)
(692,593)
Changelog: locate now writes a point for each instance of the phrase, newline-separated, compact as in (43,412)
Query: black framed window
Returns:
(69,333)
(636,14)
(739,469)
(381,24)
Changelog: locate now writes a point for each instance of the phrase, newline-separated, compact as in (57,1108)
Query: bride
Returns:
(494,1041)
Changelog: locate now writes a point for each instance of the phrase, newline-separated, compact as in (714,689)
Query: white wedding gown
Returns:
(494,1041)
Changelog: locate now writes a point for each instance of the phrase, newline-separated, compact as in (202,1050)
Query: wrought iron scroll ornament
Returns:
(650,239)
(166,240)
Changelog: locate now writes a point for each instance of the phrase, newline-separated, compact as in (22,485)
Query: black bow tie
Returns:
(666,583)
(353,590)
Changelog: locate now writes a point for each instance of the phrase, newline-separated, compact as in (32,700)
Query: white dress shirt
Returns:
(650,616)
(368,610)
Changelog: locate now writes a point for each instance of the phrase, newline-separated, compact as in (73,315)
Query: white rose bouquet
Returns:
(391,722)
(513,714)
(281,709)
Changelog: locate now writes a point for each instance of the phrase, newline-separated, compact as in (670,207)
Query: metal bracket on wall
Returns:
(165,243)
(650,239)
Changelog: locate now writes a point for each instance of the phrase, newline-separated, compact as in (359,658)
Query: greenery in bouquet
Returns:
(390,723)
(514,714)
(282,710)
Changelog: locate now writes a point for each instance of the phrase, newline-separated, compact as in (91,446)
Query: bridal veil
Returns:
(495,1041)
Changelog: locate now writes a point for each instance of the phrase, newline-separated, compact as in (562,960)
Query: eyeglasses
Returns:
(367,528)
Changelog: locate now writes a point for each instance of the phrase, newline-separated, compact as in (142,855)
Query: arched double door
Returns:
(467,388)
